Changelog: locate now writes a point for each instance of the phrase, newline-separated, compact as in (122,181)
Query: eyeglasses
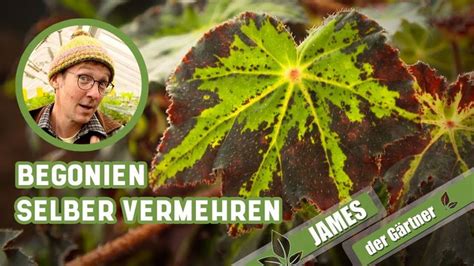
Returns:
(86,82)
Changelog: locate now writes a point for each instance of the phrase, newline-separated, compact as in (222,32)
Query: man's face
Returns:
(78,105)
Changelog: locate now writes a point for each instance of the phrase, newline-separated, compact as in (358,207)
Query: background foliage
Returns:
(120,107)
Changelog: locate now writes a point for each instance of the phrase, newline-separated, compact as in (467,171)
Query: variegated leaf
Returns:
(447,147)
(273,118)
(444,151)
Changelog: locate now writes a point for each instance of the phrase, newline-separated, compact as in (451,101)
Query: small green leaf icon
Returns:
(295,258)
(445,199)
(446,202)
(281,245)
(270,261)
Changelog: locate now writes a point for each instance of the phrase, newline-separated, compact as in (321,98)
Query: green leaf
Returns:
(270,261)
(218,11)
(391,16)
(271,118)
(452,204)
(295,258)
(280,245)
(171,30)
(417,43)
(83,8)
(164,20)
(445,198)
(176,18)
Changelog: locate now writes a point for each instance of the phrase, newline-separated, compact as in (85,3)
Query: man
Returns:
(81,74)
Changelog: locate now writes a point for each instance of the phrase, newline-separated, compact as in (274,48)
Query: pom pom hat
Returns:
(82,47)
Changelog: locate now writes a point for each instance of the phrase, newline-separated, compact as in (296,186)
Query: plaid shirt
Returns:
(92,126)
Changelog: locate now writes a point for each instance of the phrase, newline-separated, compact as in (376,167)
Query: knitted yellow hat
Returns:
(82,47)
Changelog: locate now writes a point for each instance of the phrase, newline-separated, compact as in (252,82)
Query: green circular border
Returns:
(81,147)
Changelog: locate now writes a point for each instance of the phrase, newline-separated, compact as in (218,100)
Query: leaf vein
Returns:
(276,133)
(269,90)
(268,73)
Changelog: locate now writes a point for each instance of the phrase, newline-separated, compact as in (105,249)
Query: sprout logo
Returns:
(446,202)
(281,248)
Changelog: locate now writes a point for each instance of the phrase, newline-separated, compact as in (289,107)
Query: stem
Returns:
(131,240)
(119,246)
(457,58)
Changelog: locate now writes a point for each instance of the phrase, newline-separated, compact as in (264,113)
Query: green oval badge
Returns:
(109,140)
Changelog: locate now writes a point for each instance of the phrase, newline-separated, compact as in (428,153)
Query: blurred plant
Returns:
(447,150)
(144,138)
(39,100)
(418,43)
(120,107)
(11,255)
(165,33)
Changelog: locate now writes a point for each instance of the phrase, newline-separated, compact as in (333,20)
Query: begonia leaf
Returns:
(448,151)
(447,113)
(390,16)
(272,118)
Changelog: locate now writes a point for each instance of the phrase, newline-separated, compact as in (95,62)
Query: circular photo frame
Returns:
(121,100)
